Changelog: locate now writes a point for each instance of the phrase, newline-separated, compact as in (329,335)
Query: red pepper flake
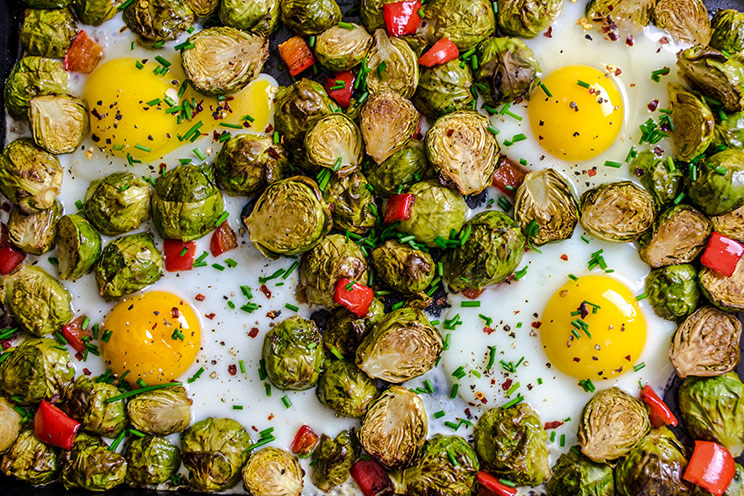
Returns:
(232,369)
(549,32)
(273,153)
(591,172)
(553,425)
(162,168)
(629,40)
(653,105)
(618,72)
(210,316)
(266,291)
(200,297)
(664,40)
(658,151)
(488,330)
(79,356)
(564,257)
(253,332)
(175,312)
(536,324)
(450,132)
(627,357)
(269,129)
(87,371)
(506,384)
(272,314)
(5,344)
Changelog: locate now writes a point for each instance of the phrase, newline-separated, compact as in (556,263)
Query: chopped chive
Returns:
(231,126)
(613,164)
(721,171)
(345,25)
(639,366)
(286,401)
(289,306)
(453,391)
(218,266)
(679,198)
(139,65)
(267,388)
(163,61)
(222,218)
(583,84)
(513,402)
(439,414)
(493,130)
(671,166)
(199,154)
(545,90)
(143,148)
(142,390)
(507,483)
(641,296)
(154,102)
(470,304)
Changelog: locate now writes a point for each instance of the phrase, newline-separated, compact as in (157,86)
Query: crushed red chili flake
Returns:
(536,324)
(200,297)
(253,332)
(506,384)
(269,129)
(553,425)
(272,314)
(627,357)
(629,40)
(210,316)
(79,356)
(564,257)
(664,40)
(273,153)
(162,168)
(87,371)
(232,369)
(591,172)
(618,72)
(265,290)
(658,151)
(175,312)
(653,105)
(488,330)
(450,132)
(549,32)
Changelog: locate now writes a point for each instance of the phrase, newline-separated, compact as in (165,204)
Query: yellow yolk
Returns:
(129,115)
(592,328)
(154,335)
(583,116)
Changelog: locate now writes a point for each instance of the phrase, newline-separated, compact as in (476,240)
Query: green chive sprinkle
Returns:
(545,90)
(286,401)
(613,164)
(583,84)
(291,307)
(145,389)
(470,304)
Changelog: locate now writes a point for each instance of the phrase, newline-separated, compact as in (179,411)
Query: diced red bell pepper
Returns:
(399,207)
(371,476)
(10,258)
(440,53)
(711,467)
(402,18)
(74,333)
(492,484)
(223,239)
(353,296)
(179,255)
(53,426)
(722,254)
(660,413)
(508,176)
(296,55)
(340,87)
(304,441)
(83,54)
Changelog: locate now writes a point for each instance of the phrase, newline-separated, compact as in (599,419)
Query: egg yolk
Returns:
(582,116)
(153,336)
(592,328)
(138,114)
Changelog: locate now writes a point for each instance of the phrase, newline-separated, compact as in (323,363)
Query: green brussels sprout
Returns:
(714,75)
(672,291)
(706,344)
(310,17)
(46,4)
(489,254)
(465,23)
(10,425)
(36,370)
(463,151)
(79,247)
(401,170)
(692,122)
(248,163)
(87,401)
(351,202)
(447,466)
(726,293)
(370,12)
(611,424)
(345,389)
(679,235)
(332,460)
(728,31)
(394,428)
(34,233)
(58,122)
(96,12)
(32,77)
(158,20)
(576,475)
(292,355)
(36,300)
(90,465)
(117,203)
(273,472)
(526,18)
(342,48)
(638,12)
(686,21)
(29,176)
(400,70)
(344,330)
(663,184)
(443,89)
(436,212)
(653,467)
(730,224)
(729,133)
(48,32)
(545,207)
(719,187)
(151,460)
(334,142)
(508,70)
(186,203)
(203,8)
(30,460)
(259,16)
(402,268)
(160,412)
(224,59)
(128,264)
(617,212)
(214,451)
(388,122)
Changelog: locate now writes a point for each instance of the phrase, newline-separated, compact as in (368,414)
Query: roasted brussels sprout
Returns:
(332,460)
(96,12)
(447,466)
(402,169)
(214,451)
(692,120)
(259,16)
(36,370)
(341,48)
(344,330)
(653,467)
(48,32)
(508,70)
(273,472)
(128,264)
(673,291)
(719,187)
(714,75)
(730,224)
(10,425)
(728,31)
(58,122)
(575,474)
(117,203)
(151,460)
(90,465)
(203,8)
(729,132)
(443,89)
(617,212)
(388,122)
(30,460)
(464,23)
(29,176)
(611,424)
(345,389)
(679,235)
(309,17)
(545,207)
(79,247)
(686,21)
(34,233)
(727,293)
(186,203)
(436,211)
(394,428)
(32,77)
(489,254)
(335,142)
(292,354)
(158,20)
(248,163)
(224,59)
(351,203)
(403,268)
(400,70)
(160,412)
(663,184)
(638,12)
(87,401)
(370,12)
(526,18)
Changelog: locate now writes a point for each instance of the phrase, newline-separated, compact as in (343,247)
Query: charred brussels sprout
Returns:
(447,466)
(203,8)
(394,428)
(719,187)
(729,132)
(29,176)
(90,465)
(158,20)
(728,31)
(402,169)
(293,355)
(402,268)
(526,18)
(339,49)
(248,163)
(79,247)
(335,142)
(546,201)
(10,425)
(706,344)
(32,77)
(727,293)
(351,202)
(714,75)
(693,123)
(673,291)
(370,12)
(259,16)
(400,70)
(617,212)
(345,389)
(686,21)
(117,203)
(309,17)
(344,330)
(96,12)
(463,151)
(36,370)
(388,122)
(332,460)
(34,233)
(435,212)
(151,460)
(58,122)
(443,89)
(488,255)
(128,264)
(663,184)
(273,472)
(679,235)
(48,32)
(224,59)
(214,450)
(508,70)
(186,203)
(30,460)
(638,12)
(611,424)
(160,412)
(576,475)
(87,401)
(464,23)
(730,224)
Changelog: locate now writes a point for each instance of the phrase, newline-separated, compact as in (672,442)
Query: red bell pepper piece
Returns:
(53,426)
(223,239)
(711,467)
(296,55)
(492,484)
(354,296)
(10,258)
(398,207)
(660,413)
(74,333)
(722,254)
(440,53)
(371,476)
(340,87)
(508,176)
(304,441)
(83,54)
(402,18)
(179,255)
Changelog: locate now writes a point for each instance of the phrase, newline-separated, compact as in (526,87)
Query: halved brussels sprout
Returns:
(58,122)
(436,212)
(345,389)
(679,235)
(393,66)
(727,293)
(512,443)
(526,18)
(335,142)
(10,425)
(370,12)
(332,460)
(714,75)
(160,412)
(663,184)
(463,151)
(508,70)
(713,410)
(730,224)
(686,21)
(394,428)
(31,461)
(309,17)
(292,354)
(719,187)
(48,32)
(29,176)
(692,120)
(638,12)
(128,264)
(465,23)
(79,247)
(443,89)
(388,122)
(248,163)
(402,169)
(34,233)
(617,212)
(151,460)
(224,59)
(403,268)
(87,401)
(259,16)
(36,370)
(611,424)
(344,330)
(158,20)
(117,203)
(575,474)
(351,203)
(729,132)
(90,465)
(706,344)
(96,12)
(341,48)
(673,291)
(273,472)
(203,8)
(489,254)
(546,201)
(32,77)
(728,31)
(447,465)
